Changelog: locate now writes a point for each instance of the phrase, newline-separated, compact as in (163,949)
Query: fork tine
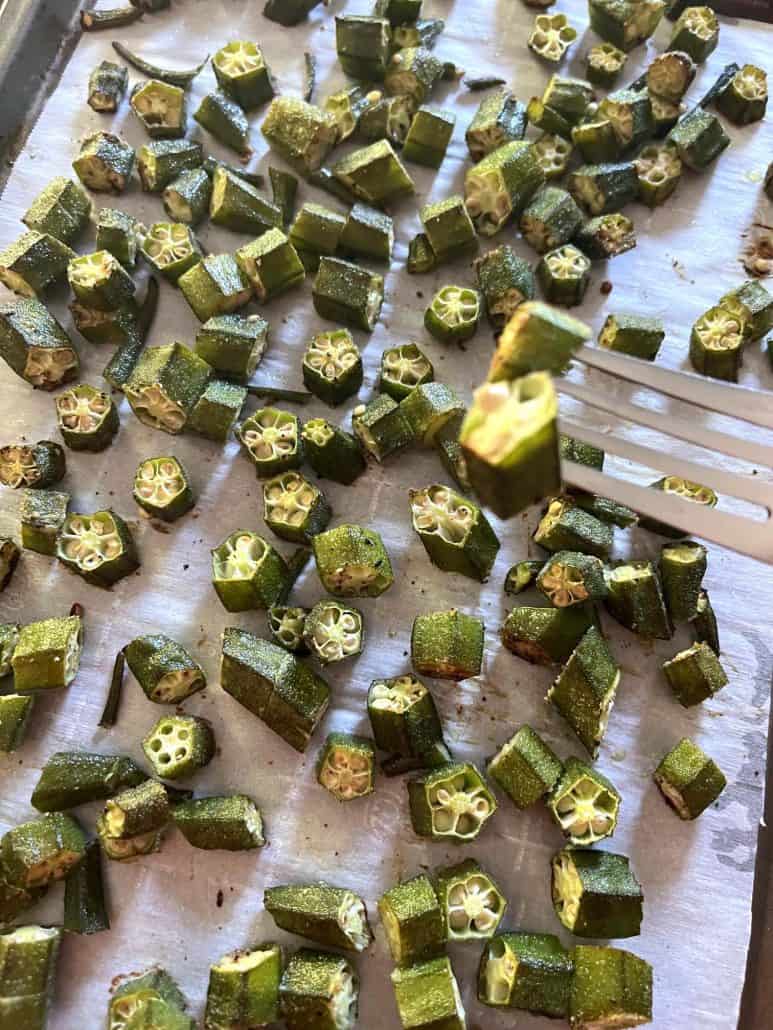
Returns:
(729,483)
(672,425)
(754,539)
(724,398)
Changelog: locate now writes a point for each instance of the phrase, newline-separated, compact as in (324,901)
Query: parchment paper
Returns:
(697,877)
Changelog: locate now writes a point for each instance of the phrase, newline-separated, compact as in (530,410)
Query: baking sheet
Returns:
(185,908)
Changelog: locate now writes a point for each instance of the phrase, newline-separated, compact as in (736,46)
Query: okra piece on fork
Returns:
(301,133)
(427,996)
(526,971)
(224,118)
(333,916)
(41,851)
(352,562)
(689,780)
(164,669)
(536,338)
(525,768)
(47,654)
(61,210)
(470,900)
(452,803)
(595,893)
(165,384)
(455,533)
(319,989)
(87,418)
(333,631)
(501,185)
(447,644)
(241,72)
(610,987)
(272,440)
(247,573)
(42,514)
(97,546)
(332,366)
(347,766)
(28,957)
(171,248)
(34,466)
(374,174)
(585,689)
(105,163)
(244,988)
(500,119)
(108,84)
(331,452)
(72,778)
(33,262)
(584,804)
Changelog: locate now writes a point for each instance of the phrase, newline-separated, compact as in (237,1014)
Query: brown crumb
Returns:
(219,899)
(606,287)
(77,609)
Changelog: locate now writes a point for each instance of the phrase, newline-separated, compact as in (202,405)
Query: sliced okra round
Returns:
(689,780)
(171,248)
(447,644)
(470,900)
(404,718)
(331,452)
(529,971)
(682,568)
(525,768)
(630,114)
(333,916)
(500,119)
(301,133)
(242,73)
(606,236)
(455,533)
(388,119)
(345,293)
(610,987)
(595,893)
(584,803)
(625,24)
(501,185)
(233,345)
(33,262)
(247,573)
(564,275)
(178,745)
(453,314)
(187,197)
(695,674)
(505,281)
(352,562)
(347,766)
(165,384)
(87,418)
(9,557)
(286,625)
(41,851)
(635,599)
(603,64)
(570,577)
(699,138)
(97,546)
(375,174)
(413,72)
(162,488)
(333,631)
(565,527)
(34,466)
(224,118)
(452,803)
(332,366)
(294,508)
(105,163)
(61,210)
(551,37)
(381,427)
(521,576)
(552,153)
(716,344)
(244,987)
(427,993)
(550,219)
(318,988)
(688,491)
(696,32)
(745,98)
(272,440)
(413,920)
(100,281)
(164,669)
(108,84)
(403,368)
(670,75)
(704,623)
(585,689)
(271,265)
(151,997)
(229,823)
(160,108)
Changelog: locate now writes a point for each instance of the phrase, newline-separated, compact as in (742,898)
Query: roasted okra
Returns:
(626,23)
(47,654)
(603,64)
(28,957)
(403,368)
(427,996)
(752,304)
(217,409)
(215,285)
(224,118)
(165,384)
(34,466)
(333,631)
(453,314)
(33,262)
(332,366)
(9,558)
(301,133)
(333,916)
(120,235)
(699,138)
(413,72)
(529,971)
(347,107)
(638,335)
(331,452)
(447,644)
(546,636)
(72,778)
(552,153)
(551,219)
(272,440)
(171,248)
(367,233)
(695,674)
(606,236)
(187,197)
(584,803)
(525,768)
(522,575)
(152,998)
(105,163)
(237,205)
(294,508)
(455,533)
(286,624)
(413,920)
(247,573)
(15,712)
(352,562)
(242,73)
(696,32)
(362,45)
(319,990)
(405,723)
(374,174)
(585,689)
(344,292)
(428,137)
(448,228)
(704,623)
(179,745)
(635,599)
(162,161)
(595,893)
(270,264)
(745,98)
(501,185)
(570,577)
(451,803)
(41,851)
(108,84)
(551,37)
(347,766)
(42,516)
(61,210)
(689,780)
(164,669)
(97,546)
(500,118)
(610,987)
(162,489)
(233,344)
(160,108)
(244,988)
(87,418)
(682,567)
(133,821)
(471,903)
(505,280)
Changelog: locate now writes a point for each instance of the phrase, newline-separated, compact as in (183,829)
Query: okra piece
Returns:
(331,452)
(404,368)
(85,908)
(217,409)
(72,778)
(565,527)
(453,314)
(569,578)
(247,573)
(332,366)
(448,228)
(333,631)
(135,811)
(9,557)
(274,685)
(97,546)
(427,996)
(165,384)
(455,533)
(182,77)
(603,187)
(171,248)
(108,84)
(152,998)
(424,32)
(548,120)
(33,262)
(428,137)
(550,219)
(47,654)
(696,33)
(470,900)
(682,568)
(374,174)
(413,72)
(119,235)
(704,623)
(551,37)
(224,118)
(528,971)
(505,280)
(580,452)
(585,689)
(367,233)
(125,849)
(429,409)
(595,138)
(603,64)
(752,303)
(233,345)
(745,98)
(61,210)
(635,599)
(160,109)
(288,12)
(241,72)
(41,851)
(164,669)
(284,187)
(112,17)
(447,645)
(272,440)
(630,114)
(344,292)
(699,138)
(347,107)
(501,185)
(352,562)
(398,12)
(716,344)
(15,900)
(685,489)
(510,443)
(607,510)
(610,987)
(405,721)
(294,508)
(695,674)
(42,516)
(28,957)
(319,990)
(333,916)
(34,466)
(546,636)
(595,893)
(237,205)
(452,803)
(606,236)
(669,76)
(87,418)
(525,768)
(315,231)
(215,285)
(626,23)
(413,921)
(689,780)
(15,710)
(500,119)
(179,745)
(552,153)
(161,488)
(362,45)
(421,257)
(162,161)
(105,163)
(388,119)
(301,133)
(521,576)
(638,335)
(100,281)
(244,988)
(584,803)
(346,766)
(270,264)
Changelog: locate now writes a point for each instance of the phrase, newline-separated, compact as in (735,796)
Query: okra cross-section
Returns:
(87,418)
(501,185)
(41,851)
(164,669)
(428,996)
(610,988)
(352,562)
(447,644)
(244,988)
(294,508)
(333,916)
(695,674)
(347,766)
(716,344)
(658,170)
(105,163)
(603,64)
(162,161)
(348,105)
(274,685)
(500,119)
(333,631)
(319,990)
(178,745)
(171,248)
(453,314)
(413,920)
(745,98)
(552,153)
(635,599)
(595,893)
(34,466)
(160,108)
(247,573)
(72,778)
(344,292)
(162,488)
(528,971)
(551,36)
(687,490)
(98,546)
(569,577)
(470,900)
(135,816)
(525,767)
(536,338)
(332,366)
(584,803)
(455,533)
(271,438)
(186,198)
(286,625)
(696,32)
(151,998)
(28,957)
(403,368)
(452,803)
(331,452)
(564,275)
(404,719)
(752,304)
(689,780)
(35,346)
(242,73)
(165,385)
(585,689)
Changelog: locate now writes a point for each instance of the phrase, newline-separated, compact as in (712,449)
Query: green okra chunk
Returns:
(669,77)
(301,133)
(603,64)
(390,118)
(695,674)
(105,163)
(120,235)
(595,139)
(151,998)
(626,23)
(187,197)
(500,119)
(704,623)
(447,645)
(179,745)
(61,210)
(510,443)
(347,766)
(272,440)
(233,345)
(160,109)
(551,37)
(606,236)
(165,384)
(333,631)
(413,921)
(286,625)
(570,577)
(108,84)
(236,204)
(525,767)
(548,120)
(15,712)
(505,280)
(171,248)
(428,137)
(521,576)
(699,138)
(374,174)
(449,450)
(271,265)
(34,466)
(367,233)
(398,12)
(244,988)
(15,900)
(455,533)
(610,988)
(42,516)
(745,98)
(567,98)
(87,418)
(215,285)
(580,452)
(638,335)
(448,228)
(546,636)
(294,508)
(429,409)
(33,262)
(470,900)
(603,188)
(689,780)
(241,72)
(332,366)
(584,803)
(274,685)
(635,599)
(348,106)
(752,304)
(72,778)
(451,803)
(413,72)
(319,990)
(247,573)
(685,489)
(565,527)
(630,114)
(595,893)
(41,851)
(100,281)
(47,654)
(28,959)
(607,510)
(421,257)
(316,230)
(162,161)
(85,906)
(404,719)
(352,562)
(403,368)
(217,409)
(682,568)
(552,153)
(228,823)
(224,118)
(696,33)
(362,45)
(585,689)
(9,637)
(551,219)
(501,185)
(135,811)
(428,996)
(125,849)
(453,314)
(97,546)
(331,452)
(424,32)
(164,669)
(162,488)
(333,916)
(344,292)
(528,971)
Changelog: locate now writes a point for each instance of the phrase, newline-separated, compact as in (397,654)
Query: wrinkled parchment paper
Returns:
(185,908)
